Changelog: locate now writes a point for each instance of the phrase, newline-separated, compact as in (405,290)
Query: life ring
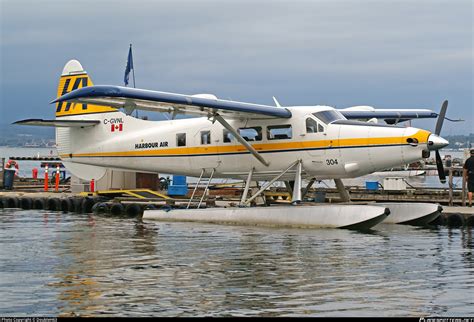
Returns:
(13,163)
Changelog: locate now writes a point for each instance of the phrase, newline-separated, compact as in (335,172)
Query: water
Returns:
(26,167)
(69,264)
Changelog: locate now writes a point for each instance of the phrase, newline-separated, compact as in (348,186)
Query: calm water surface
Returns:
(69,264)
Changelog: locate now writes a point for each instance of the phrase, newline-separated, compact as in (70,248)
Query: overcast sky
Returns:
(387,54)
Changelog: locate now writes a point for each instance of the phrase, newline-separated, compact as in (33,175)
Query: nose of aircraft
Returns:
(436,142)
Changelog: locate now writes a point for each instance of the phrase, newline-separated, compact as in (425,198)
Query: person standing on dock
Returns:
(468,173)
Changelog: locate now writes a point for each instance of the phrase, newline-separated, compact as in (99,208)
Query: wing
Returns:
(133,98)
(390,116)
(58,123)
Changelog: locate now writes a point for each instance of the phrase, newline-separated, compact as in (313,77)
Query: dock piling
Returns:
(450,183)
(56,183)
(46,178)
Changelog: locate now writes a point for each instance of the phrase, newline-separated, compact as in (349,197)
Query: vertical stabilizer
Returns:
(74,77)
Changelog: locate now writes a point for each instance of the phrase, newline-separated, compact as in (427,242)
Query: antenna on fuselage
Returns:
(276,102)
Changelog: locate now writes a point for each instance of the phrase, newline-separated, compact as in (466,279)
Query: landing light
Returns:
(412,141)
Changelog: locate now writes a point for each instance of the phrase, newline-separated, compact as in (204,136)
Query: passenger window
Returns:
(205,137)
(311,125)
(279,132)
(251,133)
(228,137)
(181,139)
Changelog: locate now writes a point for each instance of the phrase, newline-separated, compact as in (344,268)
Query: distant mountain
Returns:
(9,130)
(20,135)
(460,141)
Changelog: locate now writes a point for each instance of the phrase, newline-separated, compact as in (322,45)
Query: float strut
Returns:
(308,186)
(296,197)
(342,191)
(289,187)
(270,183)
(247,186)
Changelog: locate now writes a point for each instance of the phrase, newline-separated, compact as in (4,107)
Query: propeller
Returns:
(439,165)
(441,117)
(439,125)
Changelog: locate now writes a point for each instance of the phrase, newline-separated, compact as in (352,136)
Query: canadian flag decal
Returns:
(116,127)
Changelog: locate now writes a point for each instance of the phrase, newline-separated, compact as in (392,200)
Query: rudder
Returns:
(72,78)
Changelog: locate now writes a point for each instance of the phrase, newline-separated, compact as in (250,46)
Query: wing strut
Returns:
(239,138)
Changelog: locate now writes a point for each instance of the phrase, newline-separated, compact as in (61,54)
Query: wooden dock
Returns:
(452,216)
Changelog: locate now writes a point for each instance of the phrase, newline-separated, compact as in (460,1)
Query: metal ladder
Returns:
(205,189)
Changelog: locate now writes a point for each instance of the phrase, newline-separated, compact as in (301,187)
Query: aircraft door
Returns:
(205,155)
(316,140)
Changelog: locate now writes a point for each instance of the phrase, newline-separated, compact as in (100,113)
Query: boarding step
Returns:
(206,189)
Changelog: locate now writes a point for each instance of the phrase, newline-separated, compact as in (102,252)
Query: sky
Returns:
(386,54)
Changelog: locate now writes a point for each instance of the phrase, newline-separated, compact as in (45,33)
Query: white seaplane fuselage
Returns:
(327,149)
(241,141)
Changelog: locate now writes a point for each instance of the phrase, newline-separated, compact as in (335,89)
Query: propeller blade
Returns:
(441,116)
(439,165)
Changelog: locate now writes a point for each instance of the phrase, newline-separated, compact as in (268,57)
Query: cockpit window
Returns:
(311,125)
(329,116)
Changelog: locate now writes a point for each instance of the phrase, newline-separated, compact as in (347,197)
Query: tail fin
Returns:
(74,77)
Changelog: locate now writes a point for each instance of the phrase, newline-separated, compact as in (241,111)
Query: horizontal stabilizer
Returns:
(58,123)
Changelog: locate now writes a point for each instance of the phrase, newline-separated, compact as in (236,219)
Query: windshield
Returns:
(329,116)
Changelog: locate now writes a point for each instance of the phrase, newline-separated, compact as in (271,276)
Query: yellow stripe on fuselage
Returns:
(421,136)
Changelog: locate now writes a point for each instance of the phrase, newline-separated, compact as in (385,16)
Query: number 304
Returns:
(331,161)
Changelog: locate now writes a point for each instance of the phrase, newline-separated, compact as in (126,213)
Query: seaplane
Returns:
(95,130)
